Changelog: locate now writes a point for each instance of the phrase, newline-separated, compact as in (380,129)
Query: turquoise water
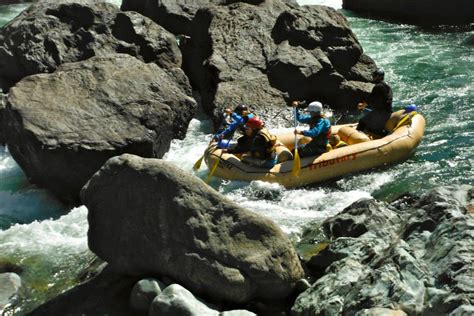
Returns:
(432,68)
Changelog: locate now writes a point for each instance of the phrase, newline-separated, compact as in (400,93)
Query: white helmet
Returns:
(315,107)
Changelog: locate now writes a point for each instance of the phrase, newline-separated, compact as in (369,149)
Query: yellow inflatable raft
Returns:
(363,153)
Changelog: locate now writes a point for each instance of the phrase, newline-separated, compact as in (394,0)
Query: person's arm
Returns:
(237,121)
(302,118)
(322,127)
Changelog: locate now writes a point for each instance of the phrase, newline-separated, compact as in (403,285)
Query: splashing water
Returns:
(432,68)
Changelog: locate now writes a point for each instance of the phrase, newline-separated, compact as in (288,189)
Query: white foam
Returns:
(66,236)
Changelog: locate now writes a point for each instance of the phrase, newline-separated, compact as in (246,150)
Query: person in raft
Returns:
(239,116)
(257,143)
(378,106)
(336,142)
(319,129)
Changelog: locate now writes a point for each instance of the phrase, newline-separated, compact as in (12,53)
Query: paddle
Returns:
(296,159)
(214,167)
(197,164)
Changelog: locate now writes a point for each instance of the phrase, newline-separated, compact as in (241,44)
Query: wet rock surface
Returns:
(267,54)
(188,232)
(412,256)
(61,127)
(49,34)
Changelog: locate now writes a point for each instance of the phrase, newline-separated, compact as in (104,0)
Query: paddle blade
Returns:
(214,167)
(296,164)
(197,164)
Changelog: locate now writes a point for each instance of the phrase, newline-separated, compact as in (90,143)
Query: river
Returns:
(433,68)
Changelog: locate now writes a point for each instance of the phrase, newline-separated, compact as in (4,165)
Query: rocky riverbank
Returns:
(411,256)
(86,83)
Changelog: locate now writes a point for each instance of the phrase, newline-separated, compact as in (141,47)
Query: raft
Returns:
(362,153)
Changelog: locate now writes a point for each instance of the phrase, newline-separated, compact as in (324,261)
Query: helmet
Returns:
(315,107)
(379,73)
(410,108)
(254,122)
(239,109)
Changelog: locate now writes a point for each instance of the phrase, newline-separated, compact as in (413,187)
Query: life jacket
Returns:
(340,144)
(270,141)
(321,139)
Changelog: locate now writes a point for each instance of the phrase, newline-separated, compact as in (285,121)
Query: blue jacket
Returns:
(318,127)
(237,121)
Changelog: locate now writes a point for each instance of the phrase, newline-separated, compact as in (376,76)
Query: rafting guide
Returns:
(377,108)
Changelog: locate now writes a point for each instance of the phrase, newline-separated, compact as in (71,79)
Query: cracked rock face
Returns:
(49,34)
(414,256)
(188,232)
(266,54)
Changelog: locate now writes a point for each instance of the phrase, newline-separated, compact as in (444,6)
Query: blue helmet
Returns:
(410,108)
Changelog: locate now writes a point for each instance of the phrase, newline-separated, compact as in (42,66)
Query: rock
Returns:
(414,256)
(49,34)
(10,283)
(61,127)
(176,300)
(105,294)
(380,312)
(421,12)
(265,55)
(147,217)
(144,292)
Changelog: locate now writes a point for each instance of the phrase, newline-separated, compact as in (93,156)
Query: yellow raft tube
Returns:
(363,153)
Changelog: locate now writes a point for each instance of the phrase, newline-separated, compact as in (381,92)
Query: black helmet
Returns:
(379,73)
(239,109)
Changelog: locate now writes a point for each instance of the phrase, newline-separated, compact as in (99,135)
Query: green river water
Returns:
(433,68)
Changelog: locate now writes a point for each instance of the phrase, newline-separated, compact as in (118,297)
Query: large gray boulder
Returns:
(49,34)
(414,256)
(266,54)
(421,12)
(62,127)
(177,15)
(148,217)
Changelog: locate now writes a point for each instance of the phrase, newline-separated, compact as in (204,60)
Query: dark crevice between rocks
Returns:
(76,15)
(123,30)
(202,76)
(52,49)
(282,32)
(317,264)
(6,267)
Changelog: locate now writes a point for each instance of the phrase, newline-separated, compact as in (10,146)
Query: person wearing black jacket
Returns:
(378,106)
(257,144)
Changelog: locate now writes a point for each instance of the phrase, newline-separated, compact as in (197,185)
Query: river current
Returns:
(433,68)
